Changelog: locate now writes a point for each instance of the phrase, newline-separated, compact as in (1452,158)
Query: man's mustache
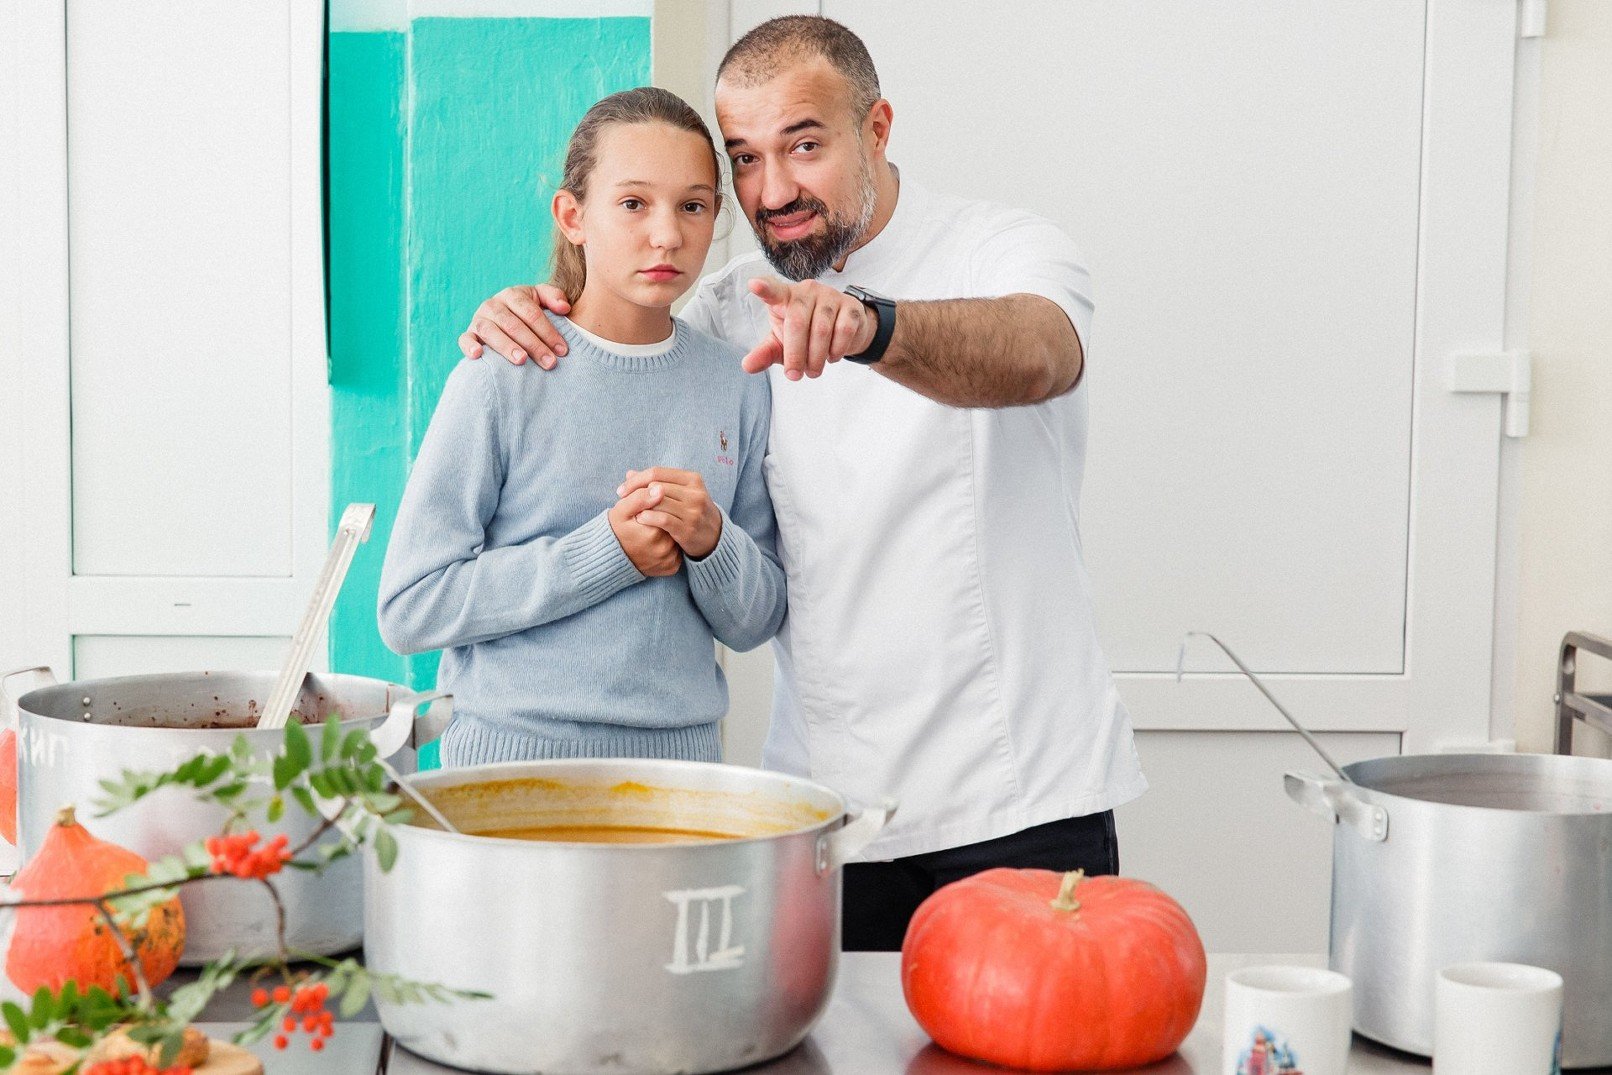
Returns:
(799,205)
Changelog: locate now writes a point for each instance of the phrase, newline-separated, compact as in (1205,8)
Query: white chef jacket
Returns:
(940,647)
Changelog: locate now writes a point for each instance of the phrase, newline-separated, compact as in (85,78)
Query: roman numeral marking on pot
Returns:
(694,908)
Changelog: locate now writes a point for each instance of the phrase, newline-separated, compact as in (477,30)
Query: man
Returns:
(940,645)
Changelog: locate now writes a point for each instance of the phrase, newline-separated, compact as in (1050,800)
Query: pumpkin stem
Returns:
(66,818)
(1066,892)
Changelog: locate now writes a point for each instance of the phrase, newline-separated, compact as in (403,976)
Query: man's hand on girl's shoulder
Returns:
(512,323)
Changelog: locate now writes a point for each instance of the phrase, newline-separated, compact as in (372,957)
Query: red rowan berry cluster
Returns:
(238,854)
(133,1065)
(306,1009)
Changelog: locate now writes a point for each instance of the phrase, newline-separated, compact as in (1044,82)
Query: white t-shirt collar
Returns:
(629,350)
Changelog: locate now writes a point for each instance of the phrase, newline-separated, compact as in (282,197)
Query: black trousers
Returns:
(880,897)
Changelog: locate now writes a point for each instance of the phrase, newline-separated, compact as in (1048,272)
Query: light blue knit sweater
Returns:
(502,555)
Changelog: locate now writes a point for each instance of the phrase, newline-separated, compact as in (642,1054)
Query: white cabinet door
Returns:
(172,502)
(1295,214)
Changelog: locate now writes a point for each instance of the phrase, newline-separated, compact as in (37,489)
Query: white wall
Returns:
(13,632)
(1561,579)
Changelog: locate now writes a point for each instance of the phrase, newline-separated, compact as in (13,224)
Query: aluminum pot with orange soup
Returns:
(626,915)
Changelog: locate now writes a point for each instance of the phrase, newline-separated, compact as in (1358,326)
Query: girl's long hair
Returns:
(646,104)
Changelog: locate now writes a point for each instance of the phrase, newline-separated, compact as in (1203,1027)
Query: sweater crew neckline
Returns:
(587,346)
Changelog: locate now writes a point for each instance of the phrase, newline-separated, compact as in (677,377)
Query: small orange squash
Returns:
(52,945)
(1030,969)
(8,785)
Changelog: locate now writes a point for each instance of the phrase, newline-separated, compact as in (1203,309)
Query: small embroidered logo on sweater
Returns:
(722,442)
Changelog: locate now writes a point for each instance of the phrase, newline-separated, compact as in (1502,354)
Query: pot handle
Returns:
(43,677)
(403,728)
(1336,800)
(835,849)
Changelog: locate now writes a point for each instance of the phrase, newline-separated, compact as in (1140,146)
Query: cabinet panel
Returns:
(180,239)
(1218,833)
(1247,200)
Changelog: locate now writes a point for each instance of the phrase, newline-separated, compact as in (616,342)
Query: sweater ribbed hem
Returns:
(472,742)
(597,560)
(721,566)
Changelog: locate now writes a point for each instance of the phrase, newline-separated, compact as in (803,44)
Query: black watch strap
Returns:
(884,309)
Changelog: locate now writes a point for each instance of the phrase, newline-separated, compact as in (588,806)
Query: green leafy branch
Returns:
(344,783)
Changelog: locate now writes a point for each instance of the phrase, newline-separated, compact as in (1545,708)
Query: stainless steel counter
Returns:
(866,1031)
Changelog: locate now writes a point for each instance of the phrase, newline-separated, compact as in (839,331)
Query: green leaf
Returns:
(330,742)
(17,1020)
(342,781)
(385,848)
(44,1007)
(171,1044)
(305,799)
(229,791)
(353,742)
(217,766)
(385,803)
(276,809)
(332,851)
(8,1056)
(72,1035)
(285,771)
(320,782)
(297,747)
(357,995)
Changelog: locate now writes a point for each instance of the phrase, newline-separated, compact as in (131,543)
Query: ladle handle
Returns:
(1180,664)
(354,528)
(1338,801)
(42,677)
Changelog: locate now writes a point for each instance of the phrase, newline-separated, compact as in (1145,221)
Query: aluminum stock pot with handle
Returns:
(73,735)
(604,956)
(1449,858)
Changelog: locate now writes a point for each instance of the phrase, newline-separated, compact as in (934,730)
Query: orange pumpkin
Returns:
(52,945)
(8,785)
(1048,972)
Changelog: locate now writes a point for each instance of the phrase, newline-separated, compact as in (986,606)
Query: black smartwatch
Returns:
(885,310)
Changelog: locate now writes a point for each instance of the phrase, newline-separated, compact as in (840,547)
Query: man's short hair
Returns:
(759,55)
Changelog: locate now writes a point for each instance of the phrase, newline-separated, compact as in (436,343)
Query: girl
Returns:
(577,610)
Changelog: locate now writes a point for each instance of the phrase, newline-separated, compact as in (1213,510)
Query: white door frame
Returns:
(55,604)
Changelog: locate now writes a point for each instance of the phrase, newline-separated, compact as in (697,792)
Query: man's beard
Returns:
(812,255)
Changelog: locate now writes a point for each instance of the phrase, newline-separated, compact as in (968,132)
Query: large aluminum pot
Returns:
(1441,859)
(608,957)
(73,735)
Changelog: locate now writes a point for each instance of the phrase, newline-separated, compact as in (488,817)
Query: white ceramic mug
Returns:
(1282,1019)
(1497,1019)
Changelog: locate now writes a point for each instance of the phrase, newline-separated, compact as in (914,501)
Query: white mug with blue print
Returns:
(1286,1019)
(1497,1019)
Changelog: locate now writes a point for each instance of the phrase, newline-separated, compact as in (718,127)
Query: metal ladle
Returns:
(1180,669)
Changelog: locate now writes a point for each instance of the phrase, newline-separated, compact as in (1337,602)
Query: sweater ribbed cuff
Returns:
(597,560)
(722,566)
(472,742)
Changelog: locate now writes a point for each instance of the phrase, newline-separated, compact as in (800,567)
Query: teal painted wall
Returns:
(445,142)
(369,431)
